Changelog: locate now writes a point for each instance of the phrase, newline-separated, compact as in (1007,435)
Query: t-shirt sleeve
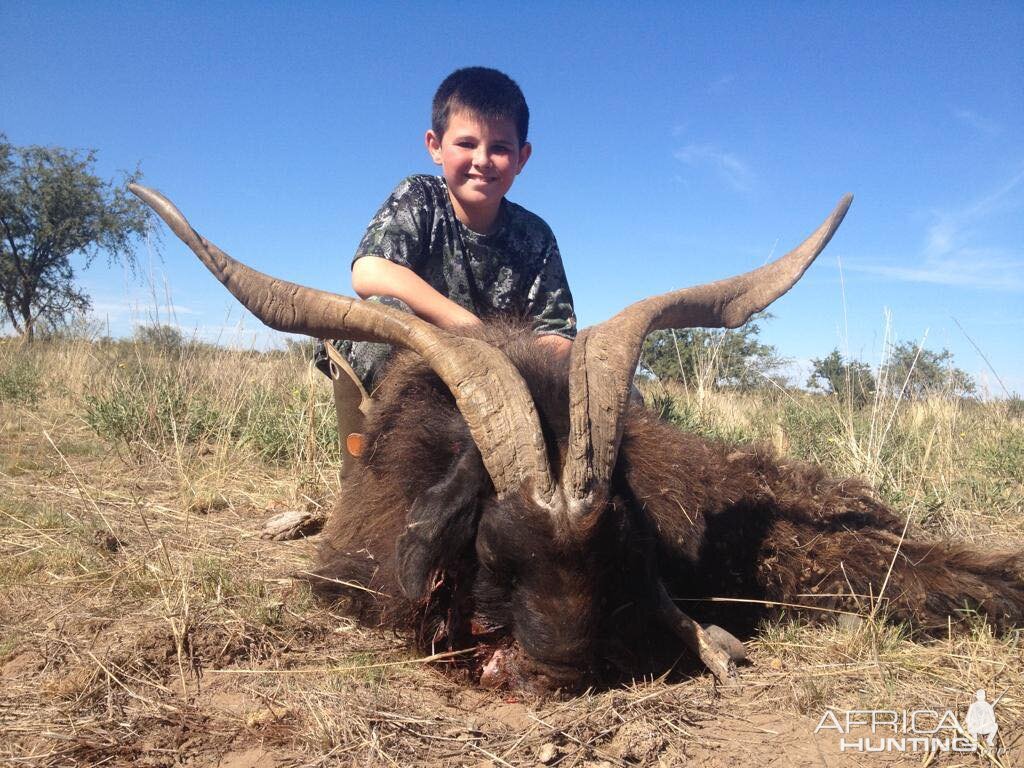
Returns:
(553,311)
(400,231)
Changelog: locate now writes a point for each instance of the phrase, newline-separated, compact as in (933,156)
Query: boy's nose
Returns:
(481,159)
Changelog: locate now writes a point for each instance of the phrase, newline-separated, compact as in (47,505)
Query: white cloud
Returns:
(950,254)
(729,168)
(721,85)
(993,273)
(978,122)
(238,336)
(796,370)
(126,308)
(940,238)
(177,309)
(246,333)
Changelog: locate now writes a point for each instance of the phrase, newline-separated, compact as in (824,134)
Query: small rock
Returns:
(775,663)
(547,753)
(291,525)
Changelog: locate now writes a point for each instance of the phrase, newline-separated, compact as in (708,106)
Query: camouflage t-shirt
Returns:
(516,271)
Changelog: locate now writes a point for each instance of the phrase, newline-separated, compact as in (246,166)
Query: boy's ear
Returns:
(524,154)
(433,142)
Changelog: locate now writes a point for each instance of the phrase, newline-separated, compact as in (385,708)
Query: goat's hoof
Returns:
(728,642)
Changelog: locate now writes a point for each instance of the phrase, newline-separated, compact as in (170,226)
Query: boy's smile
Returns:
(480,158)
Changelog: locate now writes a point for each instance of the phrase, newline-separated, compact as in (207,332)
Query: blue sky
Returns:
(672,145)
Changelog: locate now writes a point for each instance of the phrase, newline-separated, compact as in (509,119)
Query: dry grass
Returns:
(144,622)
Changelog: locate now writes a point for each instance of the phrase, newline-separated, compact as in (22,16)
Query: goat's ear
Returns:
(440,522)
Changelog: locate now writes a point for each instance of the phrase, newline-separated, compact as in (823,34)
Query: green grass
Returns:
(21,380)
(182,401)
(692,418)
(159,409)
(40,516)
(8,642)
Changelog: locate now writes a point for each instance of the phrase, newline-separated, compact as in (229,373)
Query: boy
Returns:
(452,249)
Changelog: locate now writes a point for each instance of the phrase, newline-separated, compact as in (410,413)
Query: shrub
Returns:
(283,427)
(712,357)
(691,418)
(849,380)
(1015,407)
(916,373)
(162,337)
(21,381)
(158,409)
(199,398)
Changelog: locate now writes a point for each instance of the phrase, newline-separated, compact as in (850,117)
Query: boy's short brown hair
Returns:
(485,92)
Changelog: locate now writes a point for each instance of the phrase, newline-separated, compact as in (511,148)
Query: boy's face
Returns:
(480,159)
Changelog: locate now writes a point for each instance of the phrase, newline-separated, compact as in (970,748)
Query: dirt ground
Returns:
(143,621)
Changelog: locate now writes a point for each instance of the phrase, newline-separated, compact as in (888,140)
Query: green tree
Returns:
(53,207)
(718,357)
(914,373)
(849,380)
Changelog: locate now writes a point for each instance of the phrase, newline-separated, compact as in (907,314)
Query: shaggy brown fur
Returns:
(419,542)
(740,523)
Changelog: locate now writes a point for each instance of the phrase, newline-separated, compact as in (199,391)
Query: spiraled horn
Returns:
(488,390)
(605,356)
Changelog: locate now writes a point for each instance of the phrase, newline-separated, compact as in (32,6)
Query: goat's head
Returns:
(545,539)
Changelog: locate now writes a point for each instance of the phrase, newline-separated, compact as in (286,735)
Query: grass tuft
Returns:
(21,380)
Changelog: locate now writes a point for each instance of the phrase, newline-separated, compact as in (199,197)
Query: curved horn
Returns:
(489,392)
(605,356)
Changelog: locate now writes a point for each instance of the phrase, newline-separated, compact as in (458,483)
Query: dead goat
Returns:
(523,512)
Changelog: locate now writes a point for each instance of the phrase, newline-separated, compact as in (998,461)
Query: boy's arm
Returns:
(376,276)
